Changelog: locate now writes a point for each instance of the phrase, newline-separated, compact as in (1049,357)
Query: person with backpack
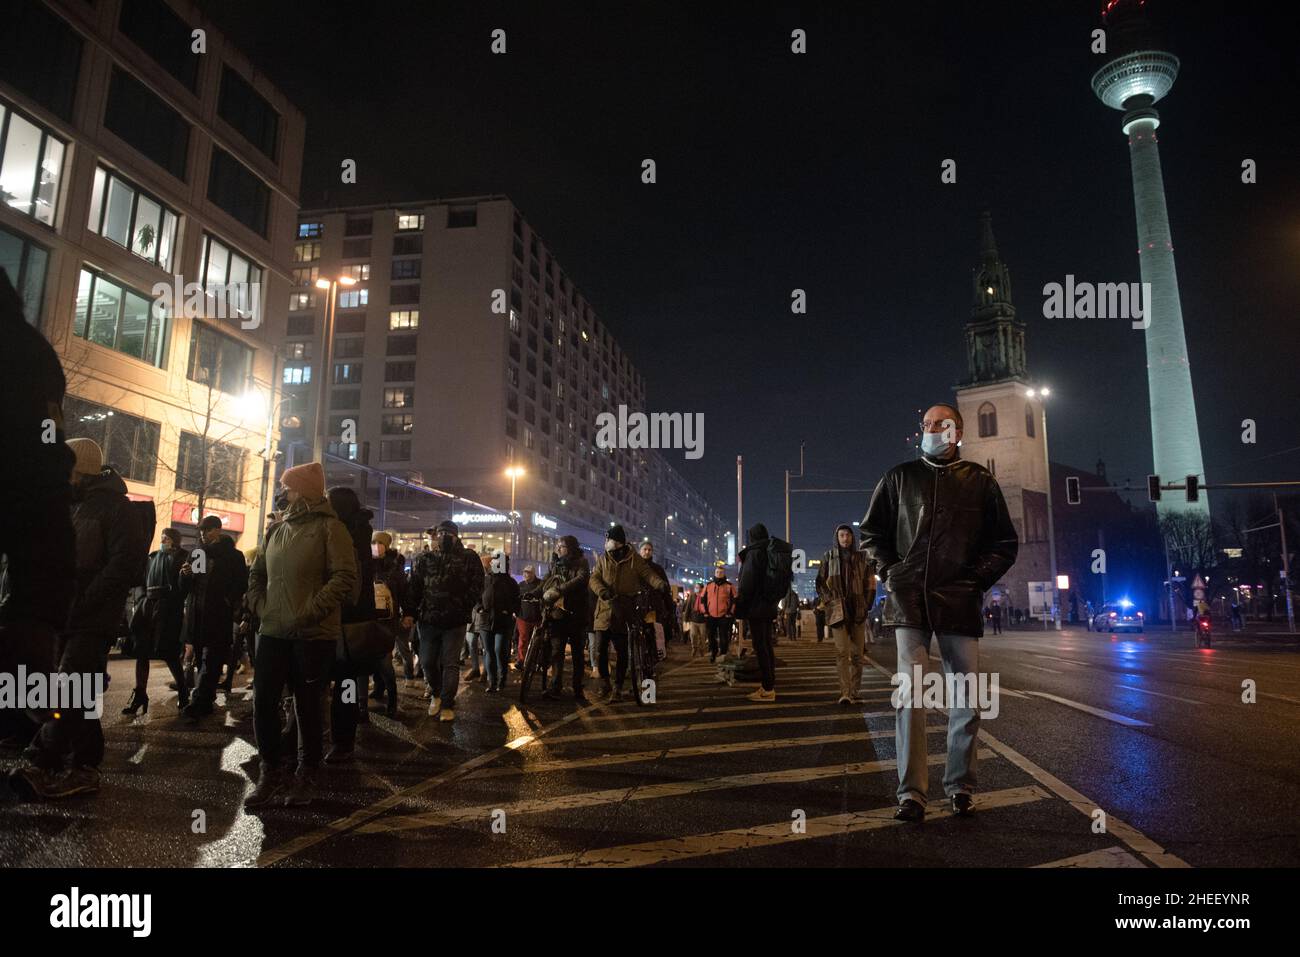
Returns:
(617,578)
(390,573)
(565,604)
(940,536)
(848,588)
(303,575)
(766,571)
(500,602)
(665,617)
(718,606)
(164,611)
(110,558)
(446,583)
(695,619)
(214,578)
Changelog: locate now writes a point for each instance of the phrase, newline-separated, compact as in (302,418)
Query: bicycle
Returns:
(537,659)
(642,649)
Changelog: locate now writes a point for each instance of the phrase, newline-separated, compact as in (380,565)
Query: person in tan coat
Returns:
(619,574)
(847,586)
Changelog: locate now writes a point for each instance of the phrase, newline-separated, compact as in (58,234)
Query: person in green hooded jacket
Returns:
(303,575)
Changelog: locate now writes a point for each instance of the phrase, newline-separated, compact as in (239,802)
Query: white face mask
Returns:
(933,443)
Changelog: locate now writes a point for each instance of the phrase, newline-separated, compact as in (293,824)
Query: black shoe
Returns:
(183,699)
(391,708)
(302,789)
(339,754)
(581,699)
(269,790)
(962,805)
(376,694)
(363,716)
(173,686)
(550,694)
(909,810)
(137,702)
(196,712)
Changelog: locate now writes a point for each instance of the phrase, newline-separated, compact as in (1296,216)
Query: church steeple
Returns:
(995,339)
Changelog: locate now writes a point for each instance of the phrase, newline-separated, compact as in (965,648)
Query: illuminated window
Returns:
(404,319)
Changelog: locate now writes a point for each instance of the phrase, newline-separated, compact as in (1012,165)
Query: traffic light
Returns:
(1153,488)
(1193,488)
(1072,496)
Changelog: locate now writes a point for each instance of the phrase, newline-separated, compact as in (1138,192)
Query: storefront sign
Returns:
(541,521)
(480,518)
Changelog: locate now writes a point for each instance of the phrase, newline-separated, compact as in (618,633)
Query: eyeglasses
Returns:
(938,425)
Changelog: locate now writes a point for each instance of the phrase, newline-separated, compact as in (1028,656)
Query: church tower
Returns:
(1001,425)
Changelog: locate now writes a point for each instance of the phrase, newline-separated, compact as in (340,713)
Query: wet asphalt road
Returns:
(1145,728)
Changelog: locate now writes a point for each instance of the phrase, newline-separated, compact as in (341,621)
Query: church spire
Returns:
(995,339)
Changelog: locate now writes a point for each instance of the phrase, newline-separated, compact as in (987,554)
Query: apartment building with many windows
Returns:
(138,155)
(462,349)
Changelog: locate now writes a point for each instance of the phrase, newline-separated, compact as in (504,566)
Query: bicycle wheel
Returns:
(539,642)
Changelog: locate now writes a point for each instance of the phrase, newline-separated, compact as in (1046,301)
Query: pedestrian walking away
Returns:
(940,535)
(765,575)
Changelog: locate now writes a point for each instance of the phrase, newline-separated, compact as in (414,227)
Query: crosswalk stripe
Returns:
(634,757)
(716,693)
(765,835)
(648,792)
(829,702)
(709,726)
(1109,857)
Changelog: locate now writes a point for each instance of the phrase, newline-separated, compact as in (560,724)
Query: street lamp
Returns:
(327,361)
(514,472)
(1043,393)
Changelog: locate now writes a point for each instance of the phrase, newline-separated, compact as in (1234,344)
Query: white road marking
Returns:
(1110,857)
(1089,709)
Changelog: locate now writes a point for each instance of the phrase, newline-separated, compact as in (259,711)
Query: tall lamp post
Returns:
(514,473)
(326,365)
(1042,394)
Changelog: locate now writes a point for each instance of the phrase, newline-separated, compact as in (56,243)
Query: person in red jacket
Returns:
(718,602)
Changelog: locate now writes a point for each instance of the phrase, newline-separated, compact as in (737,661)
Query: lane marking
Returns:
(1050,671)
(647,792)
(1130,835)
(1089,709)
(765,835)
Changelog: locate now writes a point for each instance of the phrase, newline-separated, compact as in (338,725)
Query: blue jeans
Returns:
(496,647)
(440,659)
(960,655)
(592,642)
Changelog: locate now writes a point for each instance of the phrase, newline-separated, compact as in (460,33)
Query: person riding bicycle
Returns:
(619,574)
(564,598)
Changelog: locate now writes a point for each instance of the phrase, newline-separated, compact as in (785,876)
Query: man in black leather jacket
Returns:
(940,535)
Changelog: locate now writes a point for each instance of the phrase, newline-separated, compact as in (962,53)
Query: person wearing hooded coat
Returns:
(846,584)
(111,549)
(759,610)
(566,604)
(214,591)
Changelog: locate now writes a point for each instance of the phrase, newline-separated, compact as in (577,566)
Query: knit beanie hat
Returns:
(89,456)
(307,480)
(382,538)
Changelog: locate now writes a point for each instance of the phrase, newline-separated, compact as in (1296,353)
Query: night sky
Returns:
(821,172)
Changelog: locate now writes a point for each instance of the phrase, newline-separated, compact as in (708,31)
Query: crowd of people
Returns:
(327,607)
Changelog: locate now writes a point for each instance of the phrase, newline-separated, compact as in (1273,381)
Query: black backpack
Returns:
(779,573)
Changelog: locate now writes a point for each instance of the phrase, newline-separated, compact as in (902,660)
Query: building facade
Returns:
(461,350)
(150,178)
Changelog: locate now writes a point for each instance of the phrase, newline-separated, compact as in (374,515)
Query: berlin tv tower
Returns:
(1136,74)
